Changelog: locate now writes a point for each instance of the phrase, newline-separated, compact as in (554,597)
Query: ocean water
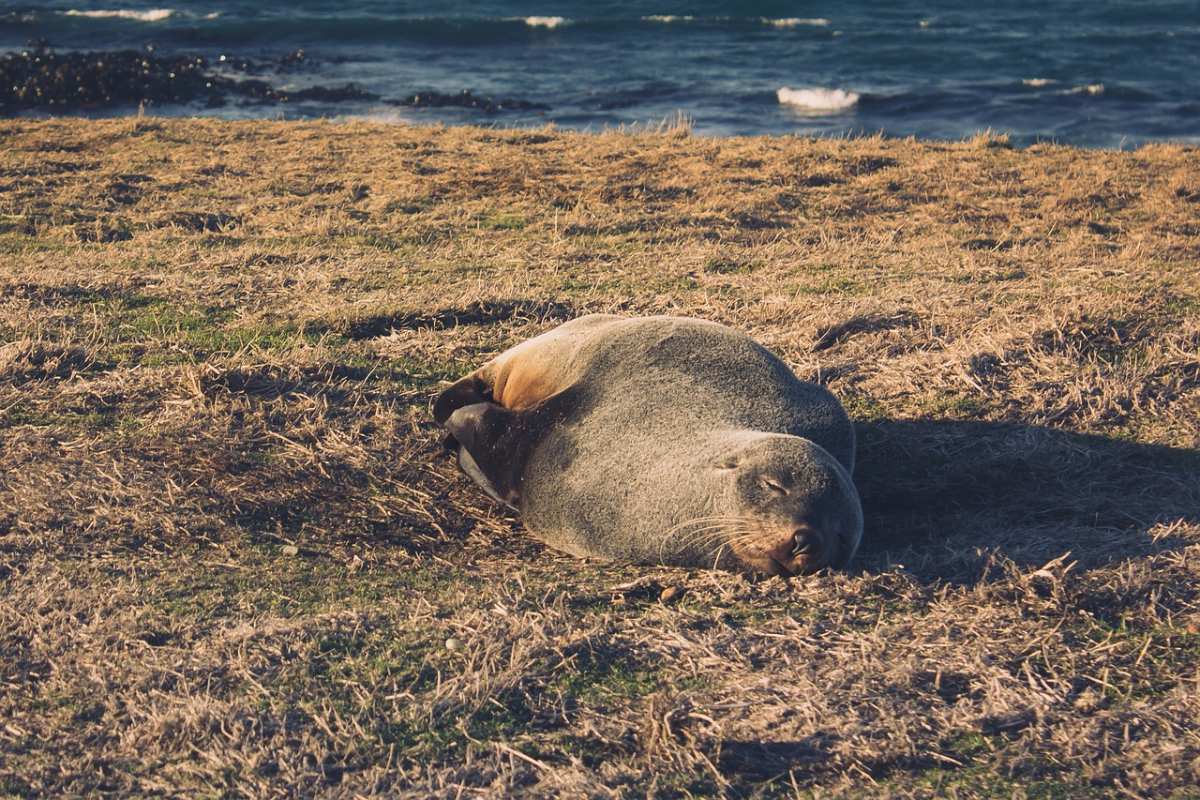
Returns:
(1097,74)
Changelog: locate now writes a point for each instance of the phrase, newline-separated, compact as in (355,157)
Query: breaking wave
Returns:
(544,22)
(738,22)
(669,18)
(149,15)
(818,100)
(1093,89)
(792,22)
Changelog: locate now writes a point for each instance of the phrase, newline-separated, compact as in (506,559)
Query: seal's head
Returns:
(795,508)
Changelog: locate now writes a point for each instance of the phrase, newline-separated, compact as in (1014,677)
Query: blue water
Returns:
(1099,74)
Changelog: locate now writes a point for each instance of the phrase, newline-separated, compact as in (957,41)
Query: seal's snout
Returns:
(803,550)
(811,550)
(806,542)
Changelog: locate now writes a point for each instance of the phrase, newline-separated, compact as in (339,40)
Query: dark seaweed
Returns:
(39,78)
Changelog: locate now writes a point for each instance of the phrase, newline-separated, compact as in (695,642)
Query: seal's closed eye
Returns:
(773,485)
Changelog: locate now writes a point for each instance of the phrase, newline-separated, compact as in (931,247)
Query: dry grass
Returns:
(235,562)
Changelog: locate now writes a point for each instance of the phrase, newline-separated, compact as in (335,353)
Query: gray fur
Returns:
(671,419)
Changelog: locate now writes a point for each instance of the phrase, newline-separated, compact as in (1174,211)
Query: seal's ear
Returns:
(465,392)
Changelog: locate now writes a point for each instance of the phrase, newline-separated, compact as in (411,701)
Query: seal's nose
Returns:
(809,550)
(805,542)
(804,550)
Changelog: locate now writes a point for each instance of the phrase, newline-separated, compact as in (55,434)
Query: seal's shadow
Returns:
(481,312)
(938,496)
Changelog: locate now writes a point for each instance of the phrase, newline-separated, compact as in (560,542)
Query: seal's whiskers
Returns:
(707,529)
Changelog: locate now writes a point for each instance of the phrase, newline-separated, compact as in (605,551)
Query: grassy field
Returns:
(234,561)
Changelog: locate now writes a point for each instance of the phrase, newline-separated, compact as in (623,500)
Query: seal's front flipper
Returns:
(494,443)
(466,463)
(488,449)
(465,392)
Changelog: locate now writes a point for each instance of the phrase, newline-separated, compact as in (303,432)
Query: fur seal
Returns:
(663,440)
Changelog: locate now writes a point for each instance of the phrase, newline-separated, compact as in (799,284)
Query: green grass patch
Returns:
(152,331)
(503,221)
(955,406)
(864,408)
(602,675)
(730,266)
(91,420)
(836,285)
(982,781)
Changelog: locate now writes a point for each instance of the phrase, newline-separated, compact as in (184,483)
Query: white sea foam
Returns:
(149,15)
(544,22)
(784,22)
(792,22)
(668,18)
(818,101)
(1038,82)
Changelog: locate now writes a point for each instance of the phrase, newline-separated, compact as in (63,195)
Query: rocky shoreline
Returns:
(40,79)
